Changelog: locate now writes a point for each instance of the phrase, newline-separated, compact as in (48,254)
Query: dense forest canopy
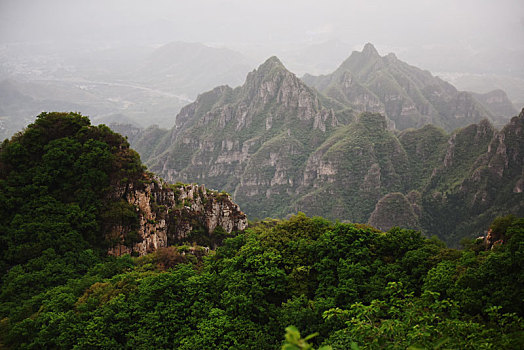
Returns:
(354,285)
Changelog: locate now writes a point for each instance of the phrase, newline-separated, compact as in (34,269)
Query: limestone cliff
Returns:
(251,141)
(171,214)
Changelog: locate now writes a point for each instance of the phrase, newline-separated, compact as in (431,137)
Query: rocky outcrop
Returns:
(171,214)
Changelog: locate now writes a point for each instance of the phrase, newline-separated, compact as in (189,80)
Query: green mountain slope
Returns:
(280,147)
(348,173)
(251,141)
(482,176)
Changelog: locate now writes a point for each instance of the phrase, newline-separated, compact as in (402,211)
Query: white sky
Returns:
(395,23)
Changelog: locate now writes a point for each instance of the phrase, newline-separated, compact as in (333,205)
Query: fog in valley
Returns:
(139,62)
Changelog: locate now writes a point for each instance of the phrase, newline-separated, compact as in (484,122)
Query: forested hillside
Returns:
(357,287)
(230,287)
(400,151)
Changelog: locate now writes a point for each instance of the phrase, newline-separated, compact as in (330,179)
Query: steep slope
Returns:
(67,187)
(408,96)
(253,140)
(425,148)
(459,183)
(471,193)
(352,170)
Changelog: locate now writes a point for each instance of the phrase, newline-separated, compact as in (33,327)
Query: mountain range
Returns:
(406,95)
(351,151)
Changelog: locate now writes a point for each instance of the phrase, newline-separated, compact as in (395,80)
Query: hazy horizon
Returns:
(100,56)
(414,30)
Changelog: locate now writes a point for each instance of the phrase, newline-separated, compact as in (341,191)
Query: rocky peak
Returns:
(173,214)
(203,103)
(407,95)
(272,62)
(267,70)
(370,51)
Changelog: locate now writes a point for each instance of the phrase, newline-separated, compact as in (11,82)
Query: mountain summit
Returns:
(280,147)
(252,141)
(370,51)
(407,95)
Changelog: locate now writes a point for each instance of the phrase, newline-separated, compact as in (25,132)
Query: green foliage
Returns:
(55,185)
(295,342)
(346,284)
(500,225)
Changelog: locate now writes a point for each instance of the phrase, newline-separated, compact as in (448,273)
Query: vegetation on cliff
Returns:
(278,146)
(66,185)
(354,285)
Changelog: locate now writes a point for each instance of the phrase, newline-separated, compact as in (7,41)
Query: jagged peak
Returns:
(273,60)
(369,50)
(271,63)
(268,70)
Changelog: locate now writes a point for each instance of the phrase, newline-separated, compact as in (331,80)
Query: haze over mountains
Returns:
(137,85)
(237,174)
(144,84)
(279,146)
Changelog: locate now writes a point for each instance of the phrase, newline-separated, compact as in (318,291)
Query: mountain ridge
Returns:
(407,95)
(279,147)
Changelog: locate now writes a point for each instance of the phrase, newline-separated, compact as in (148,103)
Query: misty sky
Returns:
(440,35)
(404,22)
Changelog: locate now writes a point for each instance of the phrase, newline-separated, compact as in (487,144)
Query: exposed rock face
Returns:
(170,214)
(252,141)
(280,147)
(406,95)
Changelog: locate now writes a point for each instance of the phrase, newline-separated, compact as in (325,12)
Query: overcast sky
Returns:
(410,28)
(399,22)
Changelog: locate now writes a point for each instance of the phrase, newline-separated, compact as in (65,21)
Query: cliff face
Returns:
(171,214)
(280,147)
(252,141)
